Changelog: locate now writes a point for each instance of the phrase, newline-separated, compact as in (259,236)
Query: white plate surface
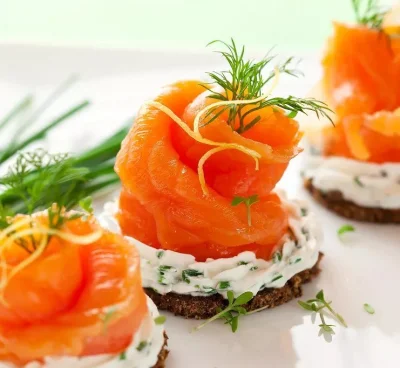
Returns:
(362,268)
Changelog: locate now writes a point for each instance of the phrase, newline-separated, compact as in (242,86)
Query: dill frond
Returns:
(245,80)
(368,13)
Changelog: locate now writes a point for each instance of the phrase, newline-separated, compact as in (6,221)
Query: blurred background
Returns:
(295,25)
(124,50)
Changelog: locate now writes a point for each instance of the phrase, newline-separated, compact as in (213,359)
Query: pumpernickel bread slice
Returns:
(163,354)
(334,201)
(202,307)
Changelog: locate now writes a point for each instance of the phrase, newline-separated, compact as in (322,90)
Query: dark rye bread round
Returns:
(334,201)
(163,354)
(202,307)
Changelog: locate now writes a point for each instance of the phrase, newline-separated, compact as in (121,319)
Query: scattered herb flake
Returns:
(305,232)
(162,270)
(224,285)
(304,212)
(122,356)
(209,290)
(190,273)
(277,257)
(253,268)
(160,254)
(165,268)
(242,263)
(107,317)
(345,229)
(369,309)
(358,181)
(160,320)
(276,278)
(142,345)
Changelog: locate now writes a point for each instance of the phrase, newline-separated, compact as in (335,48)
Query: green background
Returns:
(291,24)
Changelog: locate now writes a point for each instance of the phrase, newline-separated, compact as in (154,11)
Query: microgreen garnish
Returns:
(345,229)
(358,181)
(245,81)
(369,13)
(122,356)
(142,345)
(232,312)
(249,201)
(320,306)
(190,273)
(369,309)
(160,320)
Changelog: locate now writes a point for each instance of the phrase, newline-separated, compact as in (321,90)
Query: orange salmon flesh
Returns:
(361,83)
(59,304)
(162,203)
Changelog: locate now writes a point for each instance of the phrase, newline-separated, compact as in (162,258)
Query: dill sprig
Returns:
(245,80)
(57,184)
(39,179)
(369,13)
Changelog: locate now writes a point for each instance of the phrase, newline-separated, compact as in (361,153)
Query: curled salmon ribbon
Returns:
(77,292)
(179,176)
(361,84)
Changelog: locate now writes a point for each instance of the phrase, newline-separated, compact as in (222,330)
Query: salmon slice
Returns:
(73,300)
(371,138)
(361,71)
(162,202)
(361,74)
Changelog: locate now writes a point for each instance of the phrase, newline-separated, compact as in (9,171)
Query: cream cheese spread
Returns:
(167,271)
(365,184)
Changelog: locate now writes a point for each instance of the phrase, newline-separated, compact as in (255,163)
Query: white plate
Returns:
(363,268)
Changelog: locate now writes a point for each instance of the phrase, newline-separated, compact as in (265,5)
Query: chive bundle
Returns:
(77,176)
